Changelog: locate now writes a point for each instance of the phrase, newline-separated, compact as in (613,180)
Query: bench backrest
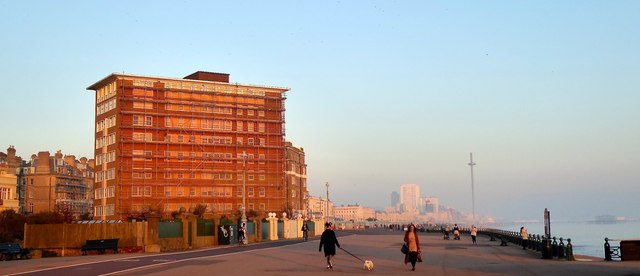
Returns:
(105,242)
(10,248)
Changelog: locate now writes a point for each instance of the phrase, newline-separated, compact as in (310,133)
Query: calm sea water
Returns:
(587,238)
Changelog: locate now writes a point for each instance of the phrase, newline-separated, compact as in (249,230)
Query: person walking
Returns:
(474,233)
(525,237)
(329,241)
(305,231)
(413,255)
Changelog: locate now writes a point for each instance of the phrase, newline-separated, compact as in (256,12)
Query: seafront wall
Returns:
(154,235)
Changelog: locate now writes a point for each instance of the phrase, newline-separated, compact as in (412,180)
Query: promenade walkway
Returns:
(441,257)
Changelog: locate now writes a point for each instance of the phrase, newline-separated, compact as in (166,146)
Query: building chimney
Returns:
(43,163)
(70,160)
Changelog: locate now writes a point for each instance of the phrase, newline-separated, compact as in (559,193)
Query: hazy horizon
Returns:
(544,93)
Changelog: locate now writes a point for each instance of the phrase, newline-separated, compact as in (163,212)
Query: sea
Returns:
(587,237)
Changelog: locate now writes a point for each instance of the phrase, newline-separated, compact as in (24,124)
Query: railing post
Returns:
(554,248)
(546,248)
(538,243)
(570,256)
(561,249)
(607,250)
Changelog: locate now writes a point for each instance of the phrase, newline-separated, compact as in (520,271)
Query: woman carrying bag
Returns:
(413,243)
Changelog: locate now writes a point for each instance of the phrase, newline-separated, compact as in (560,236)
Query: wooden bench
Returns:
(11,250)
(100,246)
(629,250)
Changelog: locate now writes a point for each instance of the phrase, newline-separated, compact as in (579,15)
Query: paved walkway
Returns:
(441,257)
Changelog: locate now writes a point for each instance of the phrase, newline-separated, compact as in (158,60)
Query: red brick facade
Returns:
(173,143)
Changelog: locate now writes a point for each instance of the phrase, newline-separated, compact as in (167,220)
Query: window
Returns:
(111,191)
(250,112)
(262,192)
(261,127)
(142,105)
(239,126)
(148,121)
(250,191)
(141,136)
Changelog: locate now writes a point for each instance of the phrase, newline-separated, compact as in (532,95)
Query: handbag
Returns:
(404,249)
(419,257)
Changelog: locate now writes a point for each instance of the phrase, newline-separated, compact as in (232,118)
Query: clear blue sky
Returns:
(544,93)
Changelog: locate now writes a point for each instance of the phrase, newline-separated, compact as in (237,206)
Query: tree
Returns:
(46,218)
(11,226)
(199,210)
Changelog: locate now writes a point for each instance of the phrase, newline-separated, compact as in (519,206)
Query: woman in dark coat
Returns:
(329,240)
(411,238)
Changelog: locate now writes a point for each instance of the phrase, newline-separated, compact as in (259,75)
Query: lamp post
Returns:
(244,188)
(327,184)
(473,198)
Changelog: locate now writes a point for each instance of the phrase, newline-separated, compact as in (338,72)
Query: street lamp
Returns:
(244,188)
(327,184)
(473,198)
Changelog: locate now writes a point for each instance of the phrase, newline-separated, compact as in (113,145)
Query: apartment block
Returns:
(296,180)
(58,183)
(354,213)
(172,143)
(9,163)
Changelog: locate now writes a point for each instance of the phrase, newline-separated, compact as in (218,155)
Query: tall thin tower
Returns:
(473,196)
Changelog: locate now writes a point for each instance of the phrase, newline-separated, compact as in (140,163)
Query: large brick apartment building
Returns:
(171,143)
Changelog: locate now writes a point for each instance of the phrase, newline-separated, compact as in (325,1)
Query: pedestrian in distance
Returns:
(474,233)
(242,231)
(413,242)
(525,237)
(456,232)
(329,241)
(305,231)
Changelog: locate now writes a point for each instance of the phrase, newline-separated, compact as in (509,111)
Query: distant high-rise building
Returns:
(410,197)
(169,144)
(395,200)
(431,204)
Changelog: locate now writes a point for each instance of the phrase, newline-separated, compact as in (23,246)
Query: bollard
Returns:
(607,250)
(561,249)
(554,248)
(546,248)
(538,243)
(570,256)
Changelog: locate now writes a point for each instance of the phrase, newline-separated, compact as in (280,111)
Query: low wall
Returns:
(67,239)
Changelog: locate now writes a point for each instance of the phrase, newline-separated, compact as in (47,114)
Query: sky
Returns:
(383,93)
